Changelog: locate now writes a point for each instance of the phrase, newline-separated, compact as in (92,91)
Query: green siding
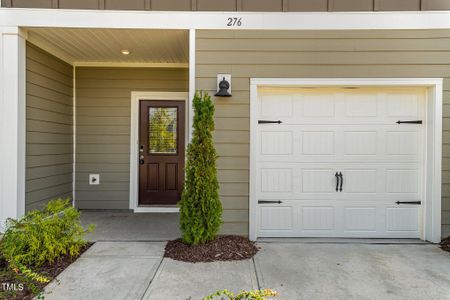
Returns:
(49,115)
(103,111)
(307,54)
(237,5)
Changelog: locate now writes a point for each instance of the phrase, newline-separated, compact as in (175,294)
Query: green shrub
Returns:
(244,295)
(43,236)
(200,206)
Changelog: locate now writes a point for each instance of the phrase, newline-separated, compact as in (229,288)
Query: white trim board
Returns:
(134,145)
(12,123)
(30,17)
(431,230)
(191,81)
(74,136)
(102,64)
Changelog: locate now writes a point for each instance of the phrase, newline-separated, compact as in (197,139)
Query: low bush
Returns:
(43,236)
(244,295)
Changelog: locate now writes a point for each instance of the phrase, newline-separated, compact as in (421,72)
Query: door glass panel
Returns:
(163,130)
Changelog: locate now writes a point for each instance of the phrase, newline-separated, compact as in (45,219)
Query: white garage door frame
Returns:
(431,230)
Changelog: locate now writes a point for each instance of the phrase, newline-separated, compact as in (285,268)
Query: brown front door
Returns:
(161,152)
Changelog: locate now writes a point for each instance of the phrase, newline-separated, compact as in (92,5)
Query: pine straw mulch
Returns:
(223,248)
(50,271)
(445,244)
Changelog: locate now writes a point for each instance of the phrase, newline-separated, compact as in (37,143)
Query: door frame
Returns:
(431,222)
(136,97)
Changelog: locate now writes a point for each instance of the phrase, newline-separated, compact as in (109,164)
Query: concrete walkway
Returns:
(136,270)
(117,225)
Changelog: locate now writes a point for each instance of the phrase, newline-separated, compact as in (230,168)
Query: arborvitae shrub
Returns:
(200,206)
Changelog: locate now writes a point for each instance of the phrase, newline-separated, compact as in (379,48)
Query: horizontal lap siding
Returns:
(307,54)
(49,115)
(237,5)
(103,109)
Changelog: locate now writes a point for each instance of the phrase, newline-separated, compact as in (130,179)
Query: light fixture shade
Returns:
(224,85)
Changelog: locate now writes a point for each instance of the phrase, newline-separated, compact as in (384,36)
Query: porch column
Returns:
(12,123)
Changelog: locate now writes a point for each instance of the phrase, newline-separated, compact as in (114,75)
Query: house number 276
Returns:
(234,22)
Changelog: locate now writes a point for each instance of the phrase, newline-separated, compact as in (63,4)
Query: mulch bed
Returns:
(223,248)
(445,244)
(48,270)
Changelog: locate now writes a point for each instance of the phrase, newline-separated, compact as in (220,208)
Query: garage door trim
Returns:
(431,230)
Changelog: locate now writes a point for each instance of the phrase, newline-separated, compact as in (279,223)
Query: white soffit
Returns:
(89,47)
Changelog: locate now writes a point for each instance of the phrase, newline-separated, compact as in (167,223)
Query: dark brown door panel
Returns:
(161,152)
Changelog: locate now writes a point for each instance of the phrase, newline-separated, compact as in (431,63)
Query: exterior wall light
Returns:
(224,83)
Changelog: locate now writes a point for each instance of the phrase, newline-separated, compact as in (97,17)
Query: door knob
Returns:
(141,159)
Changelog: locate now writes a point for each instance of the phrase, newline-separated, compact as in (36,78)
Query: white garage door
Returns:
(339,164)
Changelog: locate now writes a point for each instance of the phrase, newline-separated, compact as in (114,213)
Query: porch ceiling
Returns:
(103,46)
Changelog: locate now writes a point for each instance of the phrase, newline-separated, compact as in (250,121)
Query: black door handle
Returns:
(337,181)
(409,202)
(342,181)
(141,162)
(269,122)
(409,122)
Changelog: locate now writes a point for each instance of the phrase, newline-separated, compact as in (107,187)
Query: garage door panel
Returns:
(361,105)
(402,219)
(402,143)
(276,180)
(360,219)
(353,132)
(318,106)
(402,181)
(387,182)
(360,181)
(317,218)
(320,219)
(318,143)
(342,107)
(277,142)
(360,143)
(276,218)
(337,143)
(276,106)
(318,181)
(402,105)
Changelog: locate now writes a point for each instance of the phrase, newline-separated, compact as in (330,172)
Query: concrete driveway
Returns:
(136,270)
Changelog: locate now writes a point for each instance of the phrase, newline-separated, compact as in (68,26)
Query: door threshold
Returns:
(156,209)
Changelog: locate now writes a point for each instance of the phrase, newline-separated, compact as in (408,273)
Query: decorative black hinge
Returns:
(269,122)
(409,122)
(408,202)
(269,201)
